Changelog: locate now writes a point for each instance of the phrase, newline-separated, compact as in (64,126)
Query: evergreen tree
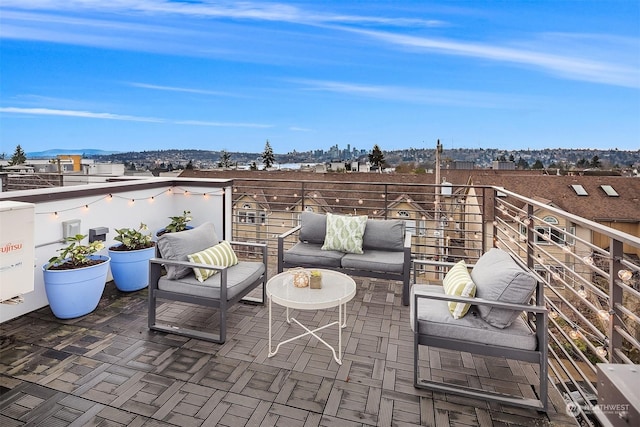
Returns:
(537,165)
(522,164)
(268,158)
(511,158)
(595,162)
(582,163)
(225,159)
(189,165)
(18,157)
(376,157)
(253,166)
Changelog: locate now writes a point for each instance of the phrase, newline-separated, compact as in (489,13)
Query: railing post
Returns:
(530,236)
(386,201)
(615,299)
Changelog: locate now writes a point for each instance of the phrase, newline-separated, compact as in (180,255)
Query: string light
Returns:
(603,314)
(582,292)
(602,351)
(109,198)
(625,275)
(574,334)
(553,314)
(588,260)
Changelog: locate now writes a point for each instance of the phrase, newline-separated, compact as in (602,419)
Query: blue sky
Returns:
(134,75)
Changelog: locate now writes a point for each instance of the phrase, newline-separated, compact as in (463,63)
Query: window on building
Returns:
(609,190)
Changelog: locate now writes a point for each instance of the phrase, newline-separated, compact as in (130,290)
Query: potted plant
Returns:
(75,279)
(130,258)
(178,223)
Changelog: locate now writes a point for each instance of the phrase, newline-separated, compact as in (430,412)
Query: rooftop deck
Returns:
(108,369)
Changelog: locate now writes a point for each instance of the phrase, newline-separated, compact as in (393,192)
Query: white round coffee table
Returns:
(337,289)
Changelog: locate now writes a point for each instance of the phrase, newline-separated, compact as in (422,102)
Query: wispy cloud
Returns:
(299,129)
(220,124)
(76,113)
(111,116)
(568,63)
(420,96)
(246,10)
(180,89)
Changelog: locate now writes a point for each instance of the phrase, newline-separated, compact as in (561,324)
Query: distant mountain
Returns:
(87,152)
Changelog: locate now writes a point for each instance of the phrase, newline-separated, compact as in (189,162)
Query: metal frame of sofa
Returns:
(222,303)
(404,276)
(536,320)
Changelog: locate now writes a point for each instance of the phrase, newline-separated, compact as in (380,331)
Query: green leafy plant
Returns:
(133,239)
(75,255)
(178,223)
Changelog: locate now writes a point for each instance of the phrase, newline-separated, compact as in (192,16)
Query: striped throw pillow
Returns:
(458,282)
(221,255)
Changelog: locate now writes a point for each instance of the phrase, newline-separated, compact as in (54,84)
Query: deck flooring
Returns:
(108,369)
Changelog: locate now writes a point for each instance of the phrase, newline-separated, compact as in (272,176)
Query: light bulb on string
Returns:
(602,351)
(625,275)
(603,314)
(553,314)
(574,334)
(582,292)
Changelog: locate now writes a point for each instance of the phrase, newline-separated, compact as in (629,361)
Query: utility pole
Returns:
(438,214)
(438,189)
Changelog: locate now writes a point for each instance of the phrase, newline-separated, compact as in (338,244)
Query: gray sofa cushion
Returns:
(311,254)
(374,260)
(435,319)
(178,245)
(384,234)
(239,277)
(499,278)
(314,227)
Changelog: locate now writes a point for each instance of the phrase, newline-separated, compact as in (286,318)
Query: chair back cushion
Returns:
(314,227)
(384,234)
(499,278)
(176,246)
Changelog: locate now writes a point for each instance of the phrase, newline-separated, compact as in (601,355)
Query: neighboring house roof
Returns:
(596,205)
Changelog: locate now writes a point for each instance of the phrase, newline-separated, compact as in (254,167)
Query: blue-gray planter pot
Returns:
(130,269)
(74,293)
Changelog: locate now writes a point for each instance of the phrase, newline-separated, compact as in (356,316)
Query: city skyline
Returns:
(147,75)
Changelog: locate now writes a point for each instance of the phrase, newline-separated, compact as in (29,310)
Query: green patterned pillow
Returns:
(458,282)
(221,255)
(344,233)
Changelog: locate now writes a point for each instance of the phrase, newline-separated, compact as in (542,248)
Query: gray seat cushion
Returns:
(176,246)
(239,277)
(311,254)
(499,278)
(374,260)
(384,234)
(313,227)
(434,319)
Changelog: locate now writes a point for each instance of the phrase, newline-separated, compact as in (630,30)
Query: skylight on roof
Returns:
(579,189)
(609,190)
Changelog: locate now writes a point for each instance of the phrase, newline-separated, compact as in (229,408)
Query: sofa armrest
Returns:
(530,308)
(290,232)
(281,239)
(261,246)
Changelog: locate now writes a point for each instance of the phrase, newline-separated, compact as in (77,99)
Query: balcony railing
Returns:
(591,272)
